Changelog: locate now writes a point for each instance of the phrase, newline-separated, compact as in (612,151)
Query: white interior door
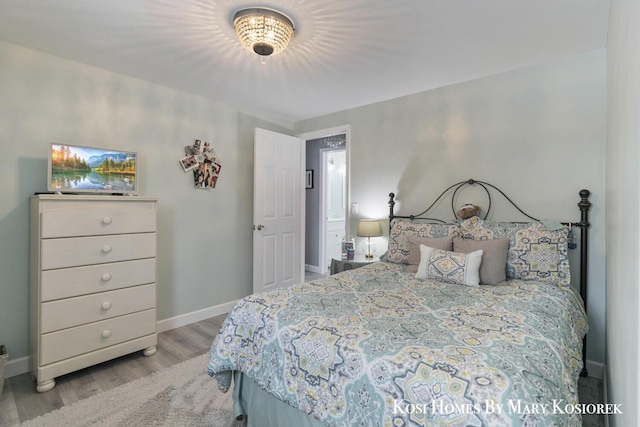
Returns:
(278,214)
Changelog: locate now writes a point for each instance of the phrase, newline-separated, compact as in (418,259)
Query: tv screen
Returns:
(79,169)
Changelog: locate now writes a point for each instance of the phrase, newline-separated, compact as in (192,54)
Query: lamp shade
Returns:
(369,228)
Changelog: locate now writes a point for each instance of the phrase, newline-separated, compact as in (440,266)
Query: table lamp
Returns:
(369,228)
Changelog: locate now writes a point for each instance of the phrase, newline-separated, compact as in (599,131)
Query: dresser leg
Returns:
(149,351)
(41,387)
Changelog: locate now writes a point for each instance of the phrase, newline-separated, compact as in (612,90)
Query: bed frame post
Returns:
(584,206)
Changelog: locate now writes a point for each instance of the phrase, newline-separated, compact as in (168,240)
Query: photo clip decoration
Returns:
(202,159)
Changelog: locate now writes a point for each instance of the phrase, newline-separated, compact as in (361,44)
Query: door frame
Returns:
(322,133)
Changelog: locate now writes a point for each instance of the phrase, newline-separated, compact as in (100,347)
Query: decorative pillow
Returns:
(494,257)
(449,267)
(535,253)
(478,229)
(399,244)
(444,243)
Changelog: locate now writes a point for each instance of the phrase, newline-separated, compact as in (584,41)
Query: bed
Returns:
(437,338)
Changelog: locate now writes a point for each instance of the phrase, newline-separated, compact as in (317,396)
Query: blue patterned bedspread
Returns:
(377,347)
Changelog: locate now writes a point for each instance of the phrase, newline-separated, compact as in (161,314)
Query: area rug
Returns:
(185,396)
(182,395)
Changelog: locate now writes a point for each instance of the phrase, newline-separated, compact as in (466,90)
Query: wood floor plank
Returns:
(29,402)
(21,402)
(76,386)
(108,377)
(8,410)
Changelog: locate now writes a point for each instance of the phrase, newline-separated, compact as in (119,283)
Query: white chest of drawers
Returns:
(92,281)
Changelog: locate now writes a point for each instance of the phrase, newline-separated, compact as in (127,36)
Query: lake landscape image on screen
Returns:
(78,168)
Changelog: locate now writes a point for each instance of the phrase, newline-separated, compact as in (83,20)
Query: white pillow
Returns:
(451,267)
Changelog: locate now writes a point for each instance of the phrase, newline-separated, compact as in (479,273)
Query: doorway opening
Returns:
(333,204)
(326,213)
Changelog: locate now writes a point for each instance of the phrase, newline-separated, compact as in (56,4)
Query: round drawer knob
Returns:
(106,277)
(106,249)
(106,333)
(106,220)
(106,305)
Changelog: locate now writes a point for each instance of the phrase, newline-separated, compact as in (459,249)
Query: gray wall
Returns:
(543,124)
(623,202)
(205,236)
(538,133)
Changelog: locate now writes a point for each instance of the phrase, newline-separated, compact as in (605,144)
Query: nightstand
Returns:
(340,265)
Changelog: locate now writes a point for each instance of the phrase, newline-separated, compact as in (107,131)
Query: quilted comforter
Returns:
(377,347)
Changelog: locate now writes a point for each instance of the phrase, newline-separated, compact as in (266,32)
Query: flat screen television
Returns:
(82,169)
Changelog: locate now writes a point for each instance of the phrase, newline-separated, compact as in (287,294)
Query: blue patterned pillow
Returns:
(450,267)
(535,253)
(400,231)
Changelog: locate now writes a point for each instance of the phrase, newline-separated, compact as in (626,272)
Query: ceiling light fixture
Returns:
(263,31)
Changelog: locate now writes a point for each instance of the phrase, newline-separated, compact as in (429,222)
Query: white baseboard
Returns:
(16,367)
(194,316)
(21,365)
(595,369)
(313,268)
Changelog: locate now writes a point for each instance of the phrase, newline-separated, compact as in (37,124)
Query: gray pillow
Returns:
(494,257)
(443,243)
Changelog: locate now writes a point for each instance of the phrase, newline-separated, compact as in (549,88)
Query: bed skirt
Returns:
(265,410)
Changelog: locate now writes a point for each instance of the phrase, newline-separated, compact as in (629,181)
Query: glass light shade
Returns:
(263,31)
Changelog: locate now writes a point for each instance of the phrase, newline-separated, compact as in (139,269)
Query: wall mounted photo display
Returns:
(210,155)
(206,175)
(309,179)
(202,159)
(189,162)
(215,173)
(196,148)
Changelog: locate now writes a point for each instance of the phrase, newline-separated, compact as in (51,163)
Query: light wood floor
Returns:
(20,401)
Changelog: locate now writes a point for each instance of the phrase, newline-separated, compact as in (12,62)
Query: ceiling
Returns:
(344,54)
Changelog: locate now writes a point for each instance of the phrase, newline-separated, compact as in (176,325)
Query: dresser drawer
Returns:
(66,313)
(89,218)
(76,281)
(77,251)
(71,342)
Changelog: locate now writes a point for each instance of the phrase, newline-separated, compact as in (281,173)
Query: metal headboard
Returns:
(584,205)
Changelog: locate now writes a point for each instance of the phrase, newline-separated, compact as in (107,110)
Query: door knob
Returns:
(260,227)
